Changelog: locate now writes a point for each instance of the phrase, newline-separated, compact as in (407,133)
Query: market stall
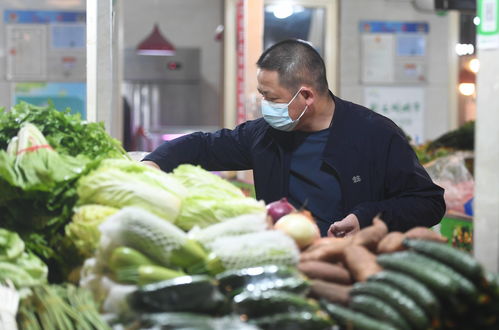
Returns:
(449,160)
(91,239)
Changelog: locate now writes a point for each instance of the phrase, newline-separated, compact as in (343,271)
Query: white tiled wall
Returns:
(440,50)
(185,23)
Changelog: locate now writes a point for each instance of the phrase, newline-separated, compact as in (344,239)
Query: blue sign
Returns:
(393,27)
(62,95)
(43,16)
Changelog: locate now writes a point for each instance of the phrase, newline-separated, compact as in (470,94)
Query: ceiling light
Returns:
(474,65)
(282,11)
(156,44)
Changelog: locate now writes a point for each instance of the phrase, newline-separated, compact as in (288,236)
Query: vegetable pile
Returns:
(43,152)
(22,268)
(59,307)
(37,191)
(413,280)
(67,133)
(188,250)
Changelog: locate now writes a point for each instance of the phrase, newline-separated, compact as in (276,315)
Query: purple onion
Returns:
(279,208)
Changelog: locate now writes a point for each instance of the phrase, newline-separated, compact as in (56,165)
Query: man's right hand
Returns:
(152,164)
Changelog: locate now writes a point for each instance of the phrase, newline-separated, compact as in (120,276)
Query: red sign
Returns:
(240,72)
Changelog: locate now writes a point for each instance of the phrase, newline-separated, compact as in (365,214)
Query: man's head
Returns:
(297,63)
(292,80)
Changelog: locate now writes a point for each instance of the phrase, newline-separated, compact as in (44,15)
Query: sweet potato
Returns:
(336,293)
(360,262)
(326,249)
(372,235)
(391,243)
(426,234)
(342,241)
(325,271)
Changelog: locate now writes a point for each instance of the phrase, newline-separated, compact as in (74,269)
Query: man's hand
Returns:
(149,163)
(345,227)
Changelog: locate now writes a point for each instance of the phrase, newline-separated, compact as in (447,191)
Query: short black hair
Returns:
(296,62)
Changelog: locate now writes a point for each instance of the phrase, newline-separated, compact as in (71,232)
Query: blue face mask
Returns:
(277,114)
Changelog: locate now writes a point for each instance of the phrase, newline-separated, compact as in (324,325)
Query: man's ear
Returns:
(308,94)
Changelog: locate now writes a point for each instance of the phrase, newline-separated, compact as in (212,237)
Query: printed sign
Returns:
(488,29)
(403,105)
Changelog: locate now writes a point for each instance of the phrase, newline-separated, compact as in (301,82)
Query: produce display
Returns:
(18,266)
(90,239)
(412,280)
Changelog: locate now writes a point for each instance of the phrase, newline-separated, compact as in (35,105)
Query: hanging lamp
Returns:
(156,44)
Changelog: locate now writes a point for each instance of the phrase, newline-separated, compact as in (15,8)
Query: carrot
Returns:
(326,249)
(426,234)
(391,243)
(325,271)
(372,235)
(361,262)
(336,293)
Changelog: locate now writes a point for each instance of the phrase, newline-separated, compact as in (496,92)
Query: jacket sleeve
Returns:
(222,150)
(412,199)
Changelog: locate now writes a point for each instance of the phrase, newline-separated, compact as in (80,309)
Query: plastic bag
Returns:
(451,173)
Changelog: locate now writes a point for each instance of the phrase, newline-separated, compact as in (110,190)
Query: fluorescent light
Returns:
(465,49)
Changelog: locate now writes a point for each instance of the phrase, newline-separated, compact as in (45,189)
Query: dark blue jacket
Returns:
(377,169)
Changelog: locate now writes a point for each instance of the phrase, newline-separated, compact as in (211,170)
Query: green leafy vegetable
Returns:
(210,199)
(37,191)
(34,165)
(22,268)
(201,181)
(11,245)
(204,210)
(67,133)
(32,265)
(83,230)
(115,186)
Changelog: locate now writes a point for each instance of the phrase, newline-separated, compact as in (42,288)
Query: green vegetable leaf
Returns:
(11,245)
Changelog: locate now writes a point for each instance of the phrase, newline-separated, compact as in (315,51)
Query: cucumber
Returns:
(196,294)
(407,307)
(423,296)
(269,277)
(190,321)
(439,277)
(294,321)
(490,284)
(261,303)
(376,308)
(460,261)
(175,321)
(350,319)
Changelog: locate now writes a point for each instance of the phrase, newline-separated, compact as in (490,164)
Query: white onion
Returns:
(300,227)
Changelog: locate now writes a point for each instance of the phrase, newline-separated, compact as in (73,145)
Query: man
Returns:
(339,160)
